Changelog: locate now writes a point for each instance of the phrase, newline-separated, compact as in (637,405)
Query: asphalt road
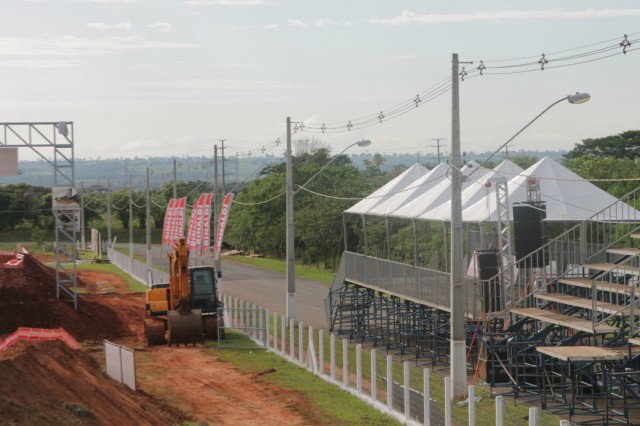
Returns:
(263,287)
(269,290)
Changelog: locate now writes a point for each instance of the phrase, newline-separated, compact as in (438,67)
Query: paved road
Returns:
(267,288)
(263,287)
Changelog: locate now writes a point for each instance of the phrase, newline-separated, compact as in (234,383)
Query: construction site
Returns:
(48,383)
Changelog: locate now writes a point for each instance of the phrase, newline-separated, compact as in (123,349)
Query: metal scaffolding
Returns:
(53,142)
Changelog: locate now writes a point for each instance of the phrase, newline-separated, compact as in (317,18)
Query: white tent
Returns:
(411,190)
(398,183)
(478,189)
(568,197)
(436,195)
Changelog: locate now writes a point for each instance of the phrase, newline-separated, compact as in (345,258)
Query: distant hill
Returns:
(95,172)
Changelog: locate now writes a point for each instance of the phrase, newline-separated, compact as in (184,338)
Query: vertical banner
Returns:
(200,219)
(173,228)
(222,223)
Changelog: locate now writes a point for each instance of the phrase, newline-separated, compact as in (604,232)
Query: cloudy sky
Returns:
(173,77)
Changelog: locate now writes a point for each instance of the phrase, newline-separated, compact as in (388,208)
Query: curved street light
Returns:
(290,301)
(578,98)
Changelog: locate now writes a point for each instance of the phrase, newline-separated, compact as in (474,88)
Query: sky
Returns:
(152,78)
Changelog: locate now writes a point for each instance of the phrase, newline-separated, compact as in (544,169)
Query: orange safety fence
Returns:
(26,333)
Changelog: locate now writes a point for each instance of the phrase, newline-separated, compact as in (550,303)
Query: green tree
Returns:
(625,145)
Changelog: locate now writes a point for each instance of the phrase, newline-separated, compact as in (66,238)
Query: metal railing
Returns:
(137,269)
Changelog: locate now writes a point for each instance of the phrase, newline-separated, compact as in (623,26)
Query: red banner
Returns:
(198,232)
(222,223)
(173,228)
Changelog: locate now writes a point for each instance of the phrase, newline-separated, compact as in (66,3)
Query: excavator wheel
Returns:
(210,323)
(185,328)
(154,331)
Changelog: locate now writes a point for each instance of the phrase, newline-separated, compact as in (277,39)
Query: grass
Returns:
(335,406)
(302,271)
(133,284)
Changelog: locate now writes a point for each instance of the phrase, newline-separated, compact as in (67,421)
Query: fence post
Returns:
(406,391)
(267,331)
(426,374)
(345,363)
(499,410)
(533,413)
(447,401)
(235,312)
(300,343)
(260,332)
(292,339)
(254,323)
(390,382)
(565,423)
(283,346)
(321,352)
(472,406)
(333,357)
(359,368)
(275,332)
(374,370)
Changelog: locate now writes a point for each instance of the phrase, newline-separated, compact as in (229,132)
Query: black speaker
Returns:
(491,290)
(528,232)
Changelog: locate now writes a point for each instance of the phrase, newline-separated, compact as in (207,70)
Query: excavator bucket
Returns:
(185,328)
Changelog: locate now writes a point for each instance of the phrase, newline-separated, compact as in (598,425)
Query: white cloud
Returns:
(161,27)
(297,23)
(80,46)
(85,1)
(322,22)
(408,17)
(38,63)
(269,26)
(103,26)
(216,84)
(223,2)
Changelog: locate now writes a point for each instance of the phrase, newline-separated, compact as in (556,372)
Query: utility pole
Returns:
(130,220)
(216,198)
(291,277)
(82,236)
(148,223)
(109,212)
(458,302)
(175,180)
(506,151)
(437,145)
(222,190)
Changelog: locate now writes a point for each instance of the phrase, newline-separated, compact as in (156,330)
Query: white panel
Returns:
(112,358)
(128,367)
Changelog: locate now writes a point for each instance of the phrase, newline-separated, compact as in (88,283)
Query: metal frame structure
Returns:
(53,142)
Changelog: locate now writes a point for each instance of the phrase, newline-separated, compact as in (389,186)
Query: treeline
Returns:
(258,222)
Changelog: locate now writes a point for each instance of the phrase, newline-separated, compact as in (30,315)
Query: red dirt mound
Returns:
(46,383)
(28,299)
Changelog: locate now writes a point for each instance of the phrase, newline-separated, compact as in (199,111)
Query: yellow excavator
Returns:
(187,308)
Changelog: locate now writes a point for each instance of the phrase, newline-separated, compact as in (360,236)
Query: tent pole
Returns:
(415,243)
(364,231)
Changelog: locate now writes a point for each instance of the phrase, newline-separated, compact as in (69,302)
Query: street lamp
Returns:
(290,273)
(457,296)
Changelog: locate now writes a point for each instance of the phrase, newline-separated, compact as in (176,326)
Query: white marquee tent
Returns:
(568,197)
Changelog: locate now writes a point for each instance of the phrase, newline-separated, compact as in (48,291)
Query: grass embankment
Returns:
(334,405)
(302,271)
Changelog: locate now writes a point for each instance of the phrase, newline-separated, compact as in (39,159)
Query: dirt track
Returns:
(176,384)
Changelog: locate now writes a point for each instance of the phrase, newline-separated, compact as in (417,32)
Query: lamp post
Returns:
(458,371)
(290,273)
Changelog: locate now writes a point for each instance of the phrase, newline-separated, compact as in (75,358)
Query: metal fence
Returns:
(139,270)
(376,378)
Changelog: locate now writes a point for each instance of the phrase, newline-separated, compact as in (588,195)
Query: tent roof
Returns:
(437,195)
(411,190)
(568,197)
(477,190)
(389,189)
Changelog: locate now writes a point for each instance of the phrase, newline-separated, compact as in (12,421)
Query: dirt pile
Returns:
(28,299)
(46,383)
